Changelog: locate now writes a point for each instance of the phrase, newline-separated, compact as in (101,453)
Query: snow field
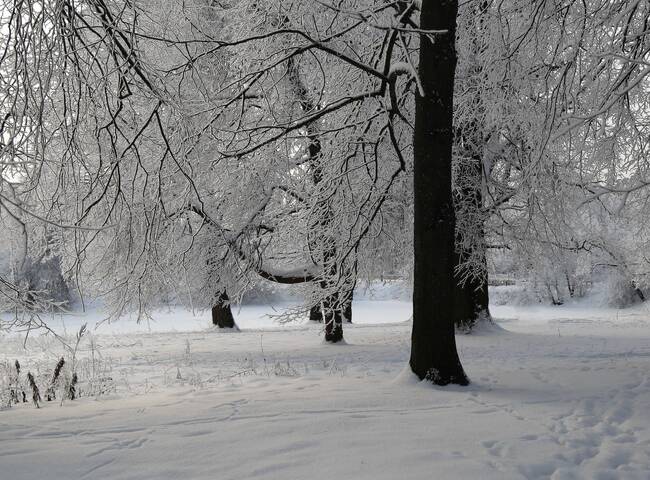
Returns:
(563,393)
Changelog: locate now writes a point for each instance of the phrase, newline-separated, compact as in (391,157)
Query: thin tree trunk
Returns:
(333,319)
(221,313)
(331,305)
(433,344)
(321,239)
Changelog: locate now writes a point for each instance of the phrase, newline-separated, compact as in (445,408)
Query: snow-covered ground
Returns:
(558,392)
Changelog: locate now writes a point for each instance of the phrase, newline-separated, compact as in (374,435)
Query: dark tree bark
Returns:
(433,344)
(221,312)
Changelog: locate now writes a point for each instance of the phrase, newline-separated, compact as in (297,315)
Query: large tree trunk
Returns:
(221,312)
(433,344)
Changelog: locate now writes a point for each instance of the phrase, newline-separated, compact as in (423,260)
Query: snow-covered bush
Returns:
(618,290)
(551,275)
